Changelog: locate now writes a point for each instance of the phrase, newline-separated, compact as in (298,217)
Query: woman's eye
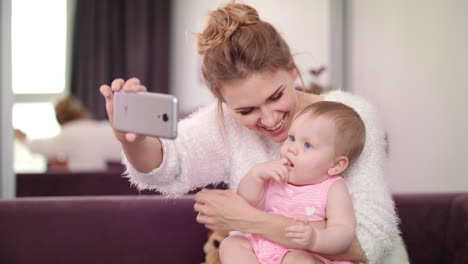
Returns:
(292,139)
(277,96)
(307,145)
(246,112)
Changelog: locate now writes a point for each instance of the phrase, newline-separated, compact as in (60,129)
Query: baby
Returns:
(305,183)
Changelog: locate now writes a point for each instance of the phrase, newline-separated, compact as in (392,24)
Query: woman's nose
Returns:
(268,118)
(267,122)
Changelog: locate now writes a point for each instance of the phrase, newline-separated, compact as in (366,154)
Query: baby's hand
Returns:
(275,169)
(303,234)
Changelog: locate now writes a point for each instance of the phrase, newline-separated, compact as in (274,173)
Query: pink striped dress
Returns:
(308,202)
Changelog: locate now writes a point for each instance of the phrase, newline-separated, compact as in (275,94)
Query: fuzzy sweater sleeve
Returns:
(377,222)
(196,158)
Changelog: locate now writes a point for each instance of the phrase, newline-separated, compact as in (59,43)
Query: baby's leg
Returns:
(237,249)
(300,257)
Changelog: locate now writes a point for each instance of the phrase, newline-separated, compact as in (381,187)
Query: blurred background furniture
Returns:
(65,183)
(156,229)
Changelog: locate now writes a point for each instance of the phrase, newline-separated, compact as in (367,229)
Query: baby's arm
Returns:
(339,232)
(253,186)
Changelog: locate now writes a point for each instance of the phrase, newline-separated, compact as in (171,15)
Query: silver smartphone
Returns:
(145,113)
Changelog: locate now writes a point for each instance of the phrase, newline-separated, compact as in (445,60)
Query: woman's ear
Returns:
(294,73)
(340,164)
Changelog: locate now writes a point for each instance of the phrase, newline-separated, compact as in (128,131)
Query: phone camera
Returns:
(165,117)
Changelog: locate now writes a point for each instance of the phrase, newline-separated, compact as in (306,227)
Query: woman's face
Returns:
(264,102)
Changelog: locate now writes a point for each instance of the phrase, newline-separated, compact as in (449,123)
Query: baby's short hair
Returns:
(69,109)
(350,129)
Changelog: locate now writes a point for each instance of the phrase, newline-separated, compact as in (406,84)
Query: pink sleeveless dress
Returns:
(302,202)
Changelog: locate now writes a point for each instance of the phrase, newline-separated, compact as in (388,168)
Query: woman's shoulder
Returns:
(199,111)
(212,113)
(359,103)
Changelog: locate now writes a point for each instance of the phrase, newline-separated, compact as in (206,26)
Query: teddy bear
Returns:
(211,247)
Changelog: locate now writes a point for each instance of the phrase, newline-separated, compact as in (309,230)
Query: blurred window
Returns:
(38,46)
(39,52)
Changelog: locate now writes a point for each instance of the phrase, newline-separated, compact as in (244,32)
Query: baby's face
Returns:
(310,149)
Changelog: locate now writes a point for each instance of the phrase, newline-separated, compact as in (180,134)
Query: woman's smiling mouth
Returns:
(276,129)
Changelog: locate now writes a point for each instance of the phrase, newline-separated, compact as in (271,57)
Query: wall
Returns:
(304,24)
(409,58)
(7,183)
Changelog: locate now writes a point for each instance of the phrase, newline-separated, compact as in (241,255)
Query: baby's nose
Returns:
(292,149)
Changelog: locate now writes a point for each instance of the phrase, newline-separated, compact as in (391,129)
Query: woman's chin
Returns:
(278,138)
(279,135)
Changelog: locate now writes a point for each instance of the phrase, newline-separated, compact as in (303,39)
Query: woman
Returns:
(250,70)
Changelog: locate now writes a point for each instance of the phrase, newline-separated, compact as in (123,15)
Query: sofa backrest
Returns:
(155,229)
(63,183)
(434,227)
(118,230)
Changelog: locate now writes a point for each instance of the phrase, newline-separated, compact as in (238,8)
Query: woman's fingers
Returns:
(106,91)
(201,209)
(222,208)
(204,219)
(205,196)
(130,137)
(132,85)
(117,84)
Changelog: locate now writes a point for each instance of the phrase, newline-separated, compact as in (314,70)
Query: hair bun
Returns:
(223,22)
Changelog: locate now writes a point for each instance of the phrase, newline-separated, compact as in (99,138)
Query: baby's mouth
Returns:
(289,163)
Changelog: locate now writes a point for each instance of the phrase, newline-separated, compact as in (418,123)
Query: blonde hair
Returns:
(236,43)
(350,130)
(69,109)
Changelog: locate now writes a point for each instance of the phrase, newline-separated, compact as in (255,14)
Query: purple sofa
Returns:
(155,229)
(63,183)
(114,229)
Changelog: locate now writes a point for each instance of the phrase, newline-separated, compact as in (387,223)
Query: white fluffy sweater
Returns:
(205,152)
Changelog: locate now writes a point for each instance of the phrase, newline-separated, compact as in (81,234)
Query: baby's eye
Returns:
(292,139)
(307,145)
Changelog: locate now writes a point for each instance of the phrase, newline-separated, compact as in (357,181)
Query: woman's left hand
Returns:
(223,210)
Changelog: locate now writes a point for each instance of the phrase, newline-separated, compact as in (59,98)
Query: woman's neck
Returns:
(304,99)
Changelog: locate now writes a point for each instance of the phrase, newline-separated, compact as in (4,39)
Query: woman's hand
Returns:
(226,210)
(223,210)
(144,153)
(131,85)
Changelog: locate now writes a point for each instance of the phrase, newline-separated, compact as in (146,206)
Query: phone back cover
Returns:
(144,113)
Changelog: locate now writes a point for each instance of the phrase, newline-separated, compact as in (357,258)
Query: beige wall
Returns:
(303,23)
(410,58)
